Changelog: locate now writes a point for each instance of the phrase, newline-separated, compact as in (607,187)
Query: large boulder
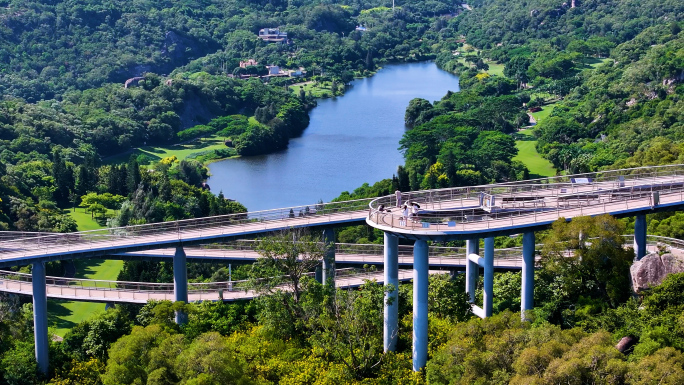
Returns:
(652,269)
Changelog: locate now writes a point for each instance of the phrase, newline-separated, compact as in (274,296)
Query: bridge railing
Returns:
(297,216)
(451,209)
(365,252)
(22,282)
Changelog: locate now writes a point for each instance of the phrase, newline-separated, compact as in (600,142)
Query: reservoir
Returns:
(351,140)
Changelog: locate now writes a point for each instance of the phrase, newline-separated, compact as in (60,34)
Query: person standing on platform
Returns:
(398,195)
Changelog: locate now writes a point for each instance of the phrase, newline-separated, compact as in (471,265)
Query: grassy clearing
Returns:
(495,68)
(181,151)
(592,62)
(84,221)
(64,315)
(544,113)
(318,90)
(527,153)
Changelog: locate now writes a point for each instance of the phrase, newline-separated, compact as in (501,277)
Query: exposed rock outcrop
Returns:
(652,269)
(626,344)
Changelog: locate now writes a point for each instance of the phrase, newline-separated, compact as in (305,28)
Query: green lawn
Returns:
(495,68)
(544,113)
(64,315)
(595,62)
(527,153)
(318,90)
(84,221)
(181,151)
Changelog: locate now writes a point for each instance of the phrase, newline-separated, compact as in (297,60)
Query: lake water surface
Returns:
(351,140)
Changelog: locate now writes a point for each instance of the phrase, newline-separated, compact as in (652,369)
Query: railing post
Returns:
(180,282)
(391,304)
(40,317)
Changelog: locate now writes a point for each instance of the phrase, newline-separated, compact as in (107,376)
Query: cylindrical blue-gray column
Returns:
(488,297)
(329,256)
(180,282)
(527,287)
(391,307)
(420,304)
(640,236)
(40,318)
(472,269)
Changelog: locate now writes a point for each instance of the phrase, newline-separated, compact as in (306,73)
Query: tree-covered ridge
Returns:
(47,48)
(622,109)
(494,22)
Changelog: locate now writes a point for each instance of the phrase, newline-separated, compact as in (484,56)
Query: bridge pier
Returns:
(40,316)
(527,287)
(472,268)
(420,304)
(180,282)
(640,236)
(488,298)
(391,310)
(329,256)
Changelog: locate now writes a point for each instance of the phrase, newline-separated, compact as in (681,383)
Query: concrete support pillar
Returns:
(40,316)
(472,269)
(180,282)
(391,311)
(527,288)
(329,257)
(420,304)
(318,274)
(488,298)
(640,236)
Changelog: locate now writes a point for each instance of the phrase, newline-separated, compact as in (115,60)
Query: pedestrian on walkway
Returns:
(398,195)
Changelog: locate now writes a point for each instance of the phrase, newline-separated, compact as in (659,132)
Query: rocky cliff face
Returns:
(652,269)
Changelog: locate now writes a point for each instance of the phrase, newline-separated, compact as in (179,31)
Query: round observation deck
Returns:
(510,208)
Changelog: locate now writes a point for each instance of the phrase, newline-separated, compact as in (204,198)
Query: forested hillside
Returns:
(607,76)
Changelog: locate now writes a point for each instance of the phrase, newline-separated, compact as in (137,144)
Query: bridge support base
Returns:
(472,268)
(488,298)
(391,305)
(527,287)
(640,236)
(420,304)
(40,316)
(180,282)
(329,256)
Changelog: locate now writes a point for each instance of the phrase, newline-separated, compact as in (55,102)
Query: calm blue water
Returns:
(351,140)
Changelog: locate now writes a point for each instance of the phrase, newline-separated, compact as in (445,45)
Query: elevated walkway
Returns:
(508,208)
(141,292)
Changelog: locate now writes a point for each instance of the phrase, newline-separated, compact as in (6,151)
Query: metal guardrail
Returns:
(549,198)
(305,215)
(142,291)
(527,202)
(137,291)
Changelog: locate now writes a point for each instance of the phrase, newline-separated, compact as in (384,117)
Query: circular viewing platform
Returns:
(509,208)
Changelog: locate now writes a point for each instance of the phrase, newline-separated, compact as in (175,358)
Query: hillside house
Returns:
(272,35)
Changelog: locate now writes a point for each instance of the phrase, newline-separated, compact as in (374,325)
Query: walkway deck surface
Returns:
(115,295)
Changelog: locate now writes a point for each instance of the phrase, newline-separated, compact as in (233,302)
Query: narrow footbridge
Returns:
(461,213)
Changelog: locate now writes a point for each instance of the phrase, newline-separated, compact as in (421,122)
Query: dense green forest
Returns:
(611,73)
